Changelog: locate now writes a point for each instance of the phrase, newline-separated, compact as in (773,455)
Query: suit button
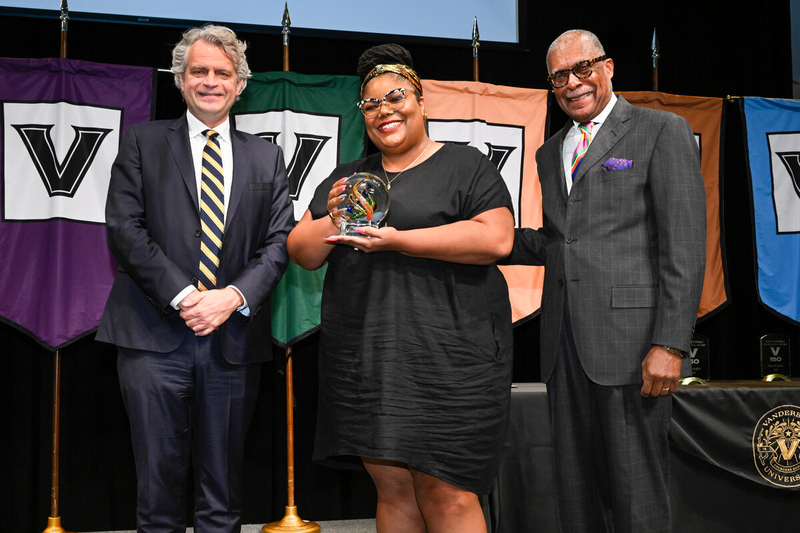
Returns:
(193,281)
(561,282)
(198,234)
(569,240)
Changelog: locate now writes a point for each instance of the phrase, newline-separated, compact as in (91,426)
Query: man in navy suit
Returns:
(187,347)
(623,245)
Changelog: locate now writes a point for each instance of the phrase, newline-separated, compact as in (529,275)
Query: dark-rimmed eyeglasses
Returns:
(394,100)
(581,69)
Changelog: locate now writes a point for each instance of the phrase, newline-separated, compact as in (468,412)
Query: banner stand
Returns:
(54,521)
(291,521)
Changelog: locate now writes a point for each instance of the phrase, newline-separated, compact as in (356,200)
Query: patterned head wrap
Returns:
(401,70)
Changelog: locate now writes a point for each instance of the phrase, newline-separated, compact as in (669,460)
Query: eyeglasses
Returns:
(394,100)
(581,69)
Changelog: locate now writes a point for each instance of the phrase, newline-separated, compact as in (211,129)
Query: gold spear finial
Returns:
(475,36)
(64,19)
(285,23)
(655,56)
(475,44)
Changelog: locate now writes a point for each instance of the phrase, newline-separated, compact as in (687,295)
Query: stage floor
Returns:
(338,526)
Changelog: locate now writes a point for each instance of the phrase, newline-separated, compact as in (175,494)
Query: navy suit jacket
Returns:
(153,223)
(625,250)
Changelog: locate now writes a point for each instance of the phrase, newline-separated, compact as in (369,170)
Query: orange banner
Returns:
(704,115)
(507,125)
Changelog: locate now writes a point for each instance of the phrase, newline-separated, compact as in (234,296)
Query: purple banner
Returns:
(61,122)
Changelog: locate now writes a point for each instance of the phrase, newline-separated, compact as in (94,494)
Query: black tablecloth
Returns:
(725,425)
(715,486)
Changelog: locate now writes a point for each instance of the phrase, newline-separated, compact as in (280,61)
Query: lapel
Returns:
(242,159)
(612,131)
(178,140)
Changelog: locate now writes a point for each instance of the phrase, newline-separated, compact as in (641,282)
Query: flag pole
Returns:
(655,56)
(54,520)
(291,521)
(64,19)
(286,22)
(475,44)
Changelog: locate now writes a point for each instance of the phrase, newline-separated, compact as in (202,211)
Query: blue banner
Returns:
(772,129)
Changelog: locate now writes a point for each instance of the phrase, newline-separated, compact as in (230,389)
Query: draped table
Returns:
(722,436)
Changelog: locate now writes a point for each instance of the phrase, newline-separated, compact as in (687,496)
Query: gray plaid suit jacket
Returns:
(625,250)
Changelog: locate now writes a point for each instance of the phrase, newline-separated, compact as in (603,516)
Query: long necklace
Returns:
(389,181)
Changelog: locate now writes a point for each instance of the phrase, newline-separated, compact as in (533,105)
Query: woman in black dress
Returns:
(416,343)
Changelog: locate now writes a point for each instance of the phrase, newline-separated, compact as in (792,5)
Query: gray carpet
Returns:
(339,526)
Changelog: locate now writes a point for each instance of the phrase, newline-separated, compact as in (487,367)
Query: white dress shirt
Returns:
(574,136)
(198,141)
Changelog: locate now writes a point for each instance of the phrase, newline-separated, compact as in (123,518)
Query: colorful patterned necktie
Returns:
(583,145)
(212,212)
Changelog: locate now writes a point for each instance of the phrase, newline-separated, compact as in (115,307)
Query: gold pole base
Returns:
(693,380)
(775,377)
(54,525)
(291,522)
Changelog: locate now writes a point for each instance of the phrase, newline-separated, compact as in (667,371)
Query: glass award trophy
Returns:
(365,204)
(776,357)
(700,357)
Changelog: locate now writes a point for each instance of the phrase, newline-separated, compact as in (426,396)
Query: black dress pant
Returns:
(185,405)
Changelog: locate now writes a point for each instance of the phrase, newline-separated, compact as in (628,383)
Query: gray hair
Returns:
(571,35)
(220,36)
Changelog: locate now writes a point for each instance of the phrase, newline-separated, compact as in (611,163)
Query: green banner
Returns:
(314,119)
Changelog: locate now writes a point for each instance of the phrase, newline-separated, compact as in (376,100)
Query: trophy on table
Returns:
(700,357)
(776,357)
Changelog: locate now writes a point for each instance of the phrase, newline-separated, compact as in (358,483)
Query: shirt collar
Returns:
(603,116)
(197,128)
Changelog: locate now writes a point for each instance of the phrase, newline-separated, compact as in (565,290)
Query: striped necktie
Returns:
(212,212)
(583,145)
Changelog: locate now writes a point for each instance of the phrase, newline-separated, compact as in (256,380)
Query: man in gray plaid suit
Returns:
(623,245)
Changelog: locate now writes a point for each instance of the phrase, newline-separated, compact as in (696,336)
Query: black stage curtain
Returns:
(715,48)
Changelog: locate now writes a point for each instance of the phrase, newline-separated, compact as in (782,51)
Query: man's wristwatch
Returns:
(675,351)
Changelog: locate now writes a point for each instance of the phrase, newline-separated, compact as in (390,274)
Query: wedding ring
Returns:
(665,389)
(331,215)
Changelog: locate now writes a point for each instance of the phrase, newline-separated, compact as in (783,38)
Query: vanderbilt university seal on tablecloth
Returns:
(776,446)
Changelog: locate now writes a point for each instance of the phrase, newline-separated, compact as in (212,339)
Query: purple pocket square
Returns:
(613,163)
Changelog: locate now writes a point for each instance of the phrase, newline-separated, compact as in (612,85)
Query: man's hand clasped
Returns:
(205,311)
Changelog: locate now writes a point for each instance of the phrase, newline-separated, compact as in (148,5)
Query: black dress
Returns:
(416,354)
